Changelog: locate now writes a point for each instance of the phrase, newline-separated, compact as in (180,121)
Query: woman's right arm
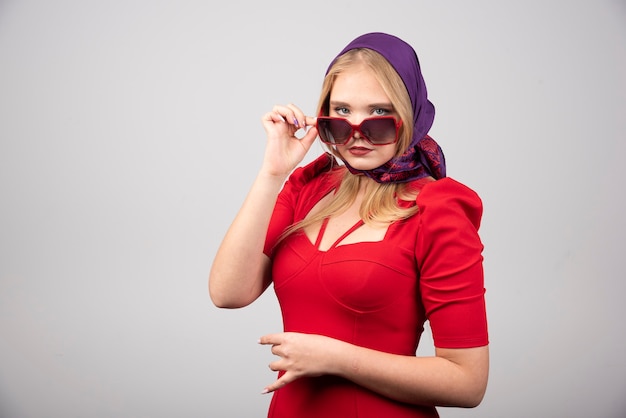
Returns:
(241,271)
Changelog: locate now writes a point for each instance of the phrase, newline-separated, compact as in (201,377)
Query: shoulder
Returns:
(320,173)
(448,196)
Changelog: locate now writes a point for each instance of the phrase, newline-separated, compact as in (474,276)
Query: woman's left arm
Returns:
(453,377)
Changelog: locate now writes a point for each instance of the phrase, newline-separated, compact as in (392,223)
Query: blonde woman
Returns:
(362,246)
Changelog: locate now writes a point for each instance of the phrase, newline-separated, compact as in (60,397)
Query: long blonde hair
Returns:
(379,204)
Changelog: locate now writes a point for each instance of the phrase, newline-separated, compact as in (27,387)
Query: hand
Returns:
(300,355)
(284,150)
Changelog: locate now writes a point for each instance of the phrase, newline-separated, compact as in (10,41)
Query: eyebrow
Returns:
(371,105)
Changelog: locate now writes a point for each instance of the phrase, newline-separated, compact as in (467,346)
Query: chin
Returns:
(364,167)
(364,164)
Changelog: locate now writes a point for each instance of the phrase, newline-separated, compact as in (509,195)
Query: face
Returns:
(356,95)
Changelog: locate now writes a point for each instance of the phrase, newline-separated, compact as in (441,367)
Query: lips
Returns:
(359,151)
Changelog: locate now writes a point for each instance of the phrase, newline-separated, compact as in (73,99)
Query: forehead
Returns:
(358,85)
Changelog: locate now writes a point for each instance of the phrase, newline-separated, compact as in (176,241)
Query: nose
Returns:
(356,134)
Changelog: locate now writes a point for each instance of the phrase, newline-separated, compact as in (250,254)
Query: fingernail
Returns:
(295,122)
(265,391)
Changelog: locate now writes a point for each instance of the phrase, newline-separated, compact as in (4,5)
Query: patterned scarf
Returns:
(423,157)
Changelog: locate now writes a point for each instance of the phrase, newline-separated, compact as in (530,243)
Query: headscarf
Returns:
(423,157)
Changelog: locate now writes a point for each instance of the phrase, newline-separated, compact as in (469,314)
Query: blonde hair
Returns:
(379,204)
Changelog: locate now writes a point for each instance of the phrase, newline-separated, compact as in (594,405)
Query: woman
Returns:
(362,253)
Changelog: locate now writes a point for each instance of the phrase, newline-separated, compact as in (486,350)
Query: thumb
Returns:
(309,138)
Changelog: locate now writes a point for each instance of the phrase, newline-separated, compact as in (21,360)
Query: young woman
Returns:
(361,253)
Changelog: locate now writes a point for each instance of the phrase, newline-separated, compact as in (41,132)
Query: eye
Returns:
(342,111)
(379,111)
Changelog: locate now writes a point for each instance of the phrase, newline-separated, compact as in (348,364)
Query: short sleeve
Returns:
(449,257)
(290,204)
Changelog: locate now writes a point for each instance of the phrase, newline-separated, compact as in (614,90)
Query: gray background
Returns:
(130,132)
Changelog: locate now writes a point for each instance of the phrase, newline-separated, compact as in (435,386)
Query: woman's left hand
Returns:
(300,355)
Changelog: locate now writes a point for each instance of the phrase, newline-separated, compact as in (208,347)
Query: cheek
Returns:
(389,151)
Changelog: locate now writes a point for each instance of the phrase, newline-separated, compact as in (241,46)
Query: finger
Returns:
(310,121)
(276,117)
(276,350)
(285,379)
(299,117)
(271,119)
(287,113)
(271,339)
(278,365)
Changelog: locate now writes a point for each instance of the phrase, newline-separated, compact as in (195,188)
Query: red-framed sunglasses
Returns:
(381,130)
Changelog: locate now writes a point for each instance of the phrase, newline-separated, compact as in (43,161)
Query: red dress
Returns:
(376,294)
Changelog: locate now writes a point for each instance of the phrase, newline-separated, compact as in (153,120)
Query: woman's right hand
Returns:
(284,151)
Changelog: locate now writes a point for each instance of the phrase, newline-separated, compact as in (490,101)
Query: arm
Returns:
(453,377)
(240,271)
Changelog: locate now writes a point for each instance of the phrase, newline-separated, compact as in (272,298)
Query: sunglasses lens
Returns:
(379,130)
(334,131)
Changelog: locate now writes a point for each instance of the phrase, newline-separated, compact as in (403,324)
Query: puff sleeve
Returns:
(290,207)
(450,262)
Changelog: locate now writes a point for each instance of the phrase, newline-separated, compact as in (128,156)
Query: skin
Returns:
(241,272)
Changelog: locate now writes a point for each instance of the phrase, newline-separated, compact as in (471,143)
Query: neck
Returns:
(366,184)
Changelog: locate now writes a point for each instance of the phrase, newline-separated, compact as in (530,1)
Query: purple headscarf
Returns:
(423,157)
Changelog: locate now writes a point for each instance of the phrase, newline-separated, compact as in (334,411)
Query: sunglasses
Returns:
(382,130)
